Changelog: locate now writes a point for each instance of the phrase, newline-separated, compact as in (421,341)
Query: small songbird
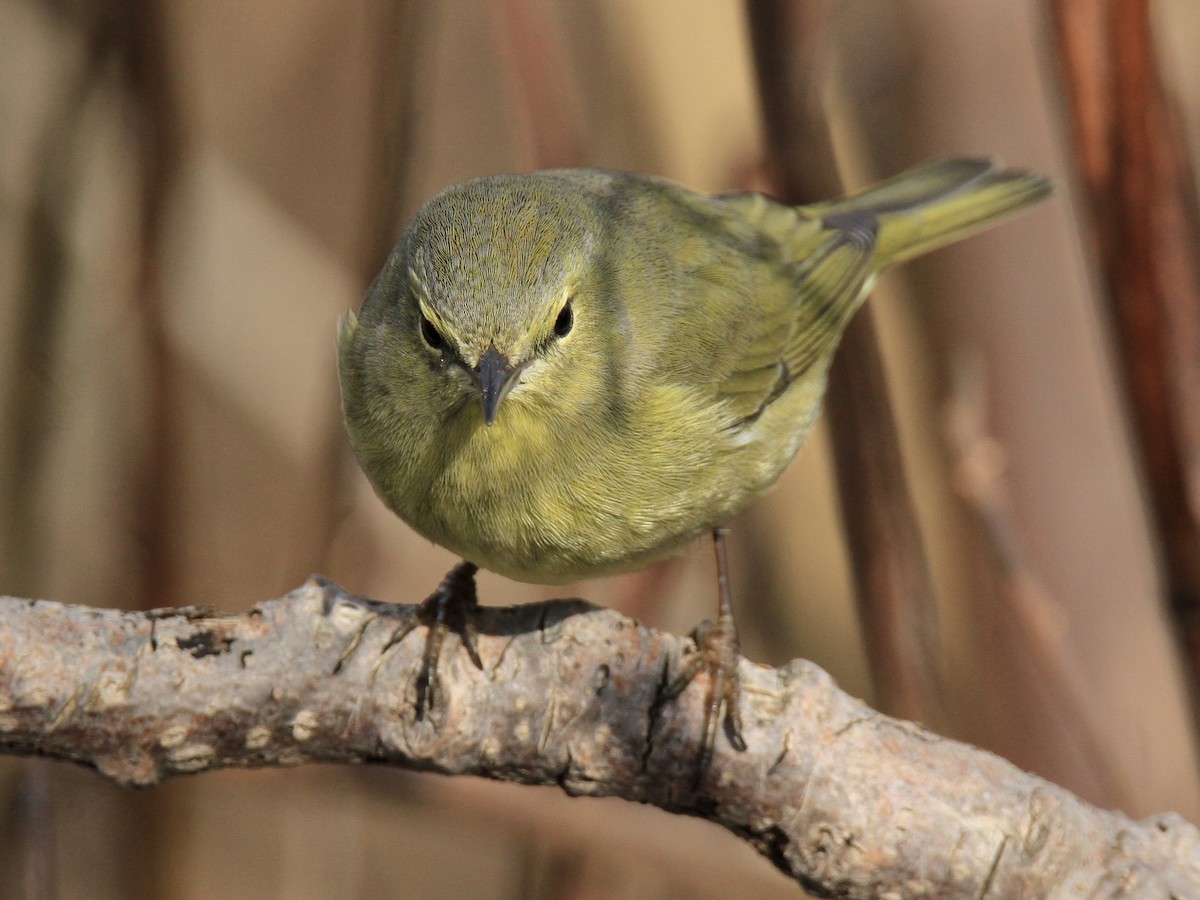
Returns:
(569,373)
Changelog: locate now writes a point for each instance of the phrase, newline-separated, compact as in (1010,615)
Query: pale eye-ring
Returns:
(565,321)
(431,335)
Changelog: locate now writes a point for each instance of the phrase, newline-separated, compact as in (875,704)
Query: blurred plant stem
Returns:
(894,589)
(400,47)
(402,35)
(544,81)
(141,48)
(1144,230)
(46,254)
(124,40)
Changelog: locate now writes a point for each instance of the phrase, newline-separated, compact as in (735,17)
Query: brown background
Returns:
(181,225)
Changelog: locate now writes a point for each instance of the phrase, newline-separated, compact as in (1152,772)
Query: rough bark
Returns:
(847,801)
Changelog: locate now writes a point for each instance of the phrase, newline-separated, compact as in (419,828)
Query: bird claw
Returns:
(717,654)
(450,608)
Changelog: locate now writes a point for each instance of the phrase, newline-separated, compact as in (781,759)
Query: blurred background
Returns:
(192,192)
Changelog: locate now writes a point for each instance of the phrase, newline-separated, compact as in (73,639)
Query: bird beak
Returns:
(495,377)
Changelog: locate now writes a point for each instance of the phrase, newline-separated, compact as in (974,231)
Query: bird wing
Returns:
(769,288)
(784,299)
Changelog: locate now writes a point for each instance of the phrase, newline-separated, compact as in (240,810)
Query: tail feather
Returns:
(935,204)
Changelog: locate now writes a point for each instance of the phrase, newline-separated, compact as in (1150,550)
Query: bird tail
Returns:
(933,205)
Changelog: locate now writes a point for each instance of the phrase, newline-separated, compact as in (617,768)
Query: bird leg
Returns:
(451,608)
(717,654)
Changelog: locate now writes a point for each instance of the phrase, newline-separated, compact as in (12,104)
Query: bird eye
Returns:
(431,335)
(565,321)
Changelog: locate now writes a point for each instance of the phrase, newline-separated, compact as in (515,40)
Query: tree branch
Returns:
(847,801)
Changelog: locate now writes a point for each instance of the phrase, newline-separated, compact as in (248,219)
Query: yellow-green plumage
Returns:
(673,390)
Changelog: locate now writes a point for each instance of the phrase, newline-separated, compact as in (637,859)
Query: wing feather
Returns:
(777,328)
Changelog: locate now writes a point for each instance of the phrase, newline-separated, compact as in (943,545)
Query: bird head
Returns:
(501,272)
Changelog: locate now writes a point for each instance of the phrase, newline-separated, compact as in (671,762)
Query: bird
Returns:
(571,373)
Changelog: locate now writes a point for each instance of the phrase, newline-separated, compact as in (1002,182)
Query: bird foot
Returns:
(450,608)
(717,655)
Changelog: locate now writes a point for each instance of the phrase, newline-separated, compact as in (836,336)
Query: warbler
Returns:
(569,373)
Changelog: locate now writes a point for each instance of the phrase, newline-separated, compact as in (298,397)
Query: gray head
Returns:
(494,265)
